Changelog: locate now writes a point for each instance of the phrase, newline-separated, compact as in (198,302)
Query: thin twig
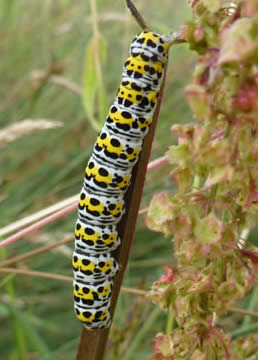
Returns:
(35,252)
(38,225)
(138,17)
(244,312)
(137,292)
(143,211)
(157,163)
(36,273)
(38,215)
(134,291)
(60,277)
(72,201)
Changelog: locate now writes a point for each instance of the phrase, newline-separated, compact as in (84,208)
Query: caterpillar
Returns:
(108,176)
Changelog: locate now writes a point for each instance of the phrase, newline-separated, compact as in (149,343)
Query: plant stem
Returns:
(19,337)
(170,322)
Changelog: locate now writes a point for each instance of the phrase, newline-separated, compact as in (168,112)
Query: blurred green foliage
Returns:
(41,40)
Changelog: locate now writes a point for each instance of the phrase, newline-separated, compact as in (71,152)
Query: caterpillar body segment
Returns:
(108,176)
(92,295)
(123,122)
(91,268)
(94,318)
(151,45)
(93,239)
(103,179)
(116,151)
(101,210)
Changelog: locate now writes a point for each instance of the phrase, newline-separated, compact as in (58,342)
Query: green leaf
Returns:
(160,213)
(179,154)
(219,174)
(240,42)
(241,332)
(102,100)
(212,5)
(33,337)
(183,178)
(93,84)
(207,230)
(198,100)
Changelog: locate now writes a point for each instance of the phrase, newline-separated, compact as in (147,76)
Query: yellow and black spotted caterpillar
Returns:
(108,174)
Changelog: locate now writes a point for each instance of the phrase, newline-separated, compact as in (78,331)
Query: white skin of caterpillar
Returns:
(116,151)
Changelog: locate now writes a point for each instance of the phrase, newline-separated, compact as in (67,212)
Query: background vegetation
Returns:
(41,42)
